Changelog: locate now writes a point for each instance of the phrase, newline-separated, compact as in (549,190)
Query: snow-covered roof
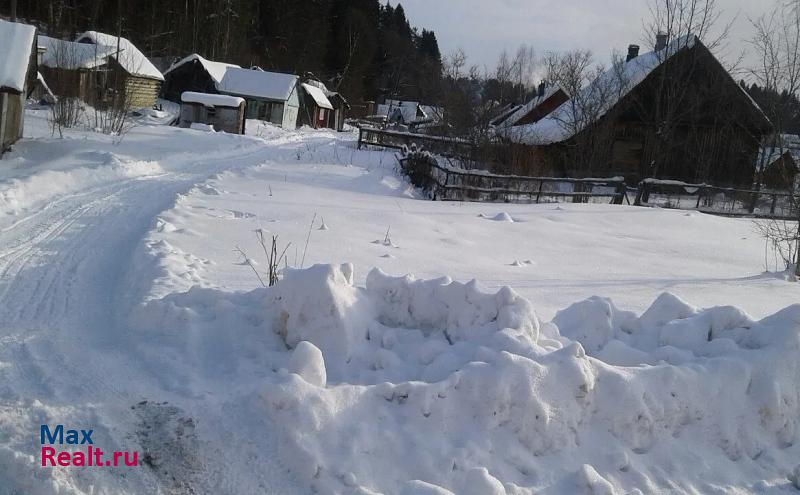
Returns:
(318,96)
(215,69)
(597,98)
(504,113)
(70,55)
(258,84)
(527,108)
(211,100)
(16,44)
(130,58)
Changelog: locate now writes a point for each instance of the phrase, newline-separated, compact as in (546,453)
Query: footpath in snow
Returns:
(127,307)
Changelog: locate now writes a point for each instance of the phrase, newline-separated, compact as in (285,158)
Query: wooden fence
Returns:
(449,184)
(445,146)
(716,200)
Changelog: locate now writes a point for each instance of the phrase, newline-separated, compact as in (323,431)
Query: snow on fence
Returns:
(450,184)
(717,200)
(368,136)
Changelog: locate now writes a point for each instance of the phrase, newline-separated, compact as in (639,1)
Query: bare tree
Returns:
(776,41)
(673,26)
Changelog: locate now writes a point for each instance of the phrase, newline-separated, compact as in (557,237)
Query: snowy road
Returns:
(67,285)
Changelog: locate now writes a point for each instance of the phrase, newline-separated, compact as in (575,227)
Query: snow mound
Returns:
(434,386)
(500,217)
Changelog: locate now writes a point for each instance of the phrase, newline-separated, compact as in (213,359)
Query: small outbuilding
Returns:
(129,72)
(322,107)
(222,112)
(193,73)
(74,69)
(270,96)
(316,106)
(17,74)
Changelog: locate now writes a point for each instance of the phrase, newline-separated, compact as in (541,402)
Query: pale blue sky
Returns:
(483,28)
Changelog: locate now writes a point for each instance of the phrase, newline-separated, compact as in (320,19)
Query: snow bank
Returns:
(20,194)
(433,386)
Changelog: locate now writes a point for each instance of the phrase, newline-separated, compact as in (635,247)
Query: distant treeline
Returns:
(364,49)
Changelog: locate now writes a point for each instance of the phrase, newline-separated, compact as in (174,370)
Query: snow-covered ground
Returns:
(128,308)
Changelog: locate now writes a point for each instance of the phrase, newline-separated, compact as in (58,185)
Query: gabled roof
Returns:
(532,105)
(16,45)
(215,69)
(318,96)
(70,55)
(130,58)
(602,95)
(258,84)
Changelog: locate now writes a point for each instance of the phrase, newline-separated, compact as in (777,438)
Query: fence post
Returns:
(640,196)
(621,187)
(539,194)
(360,134)
(774,202)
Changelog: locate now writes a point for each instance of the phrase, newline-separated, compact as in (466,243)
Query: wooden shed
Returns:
(316,108)
(193,73)
(128,72)
(322,107)
(75,70)
(225,113)
(17,73)
(270,96)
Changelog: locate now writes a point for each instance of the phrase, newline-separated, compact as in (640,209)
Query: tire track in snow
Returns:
(62,291)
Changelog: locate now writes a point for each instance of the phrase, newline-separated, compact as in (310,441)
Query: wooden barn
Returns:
(17,74)
(128,72)
(193,73)
(270,96)
(74,69)
(222,112)
(674,113)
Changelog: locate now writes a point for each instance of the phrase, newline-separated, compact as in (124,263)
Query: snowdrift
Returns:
(409,386)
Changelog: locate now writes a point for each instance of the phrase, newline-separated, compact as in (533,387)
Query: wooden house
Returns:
(17,74)
(270,96)
(674,113)
(193,73)
(128,73)
(222,112)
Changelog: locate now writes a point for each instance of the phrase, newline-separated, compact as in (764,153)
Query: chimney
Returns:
(633,52)
(661,41)
(542,87)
